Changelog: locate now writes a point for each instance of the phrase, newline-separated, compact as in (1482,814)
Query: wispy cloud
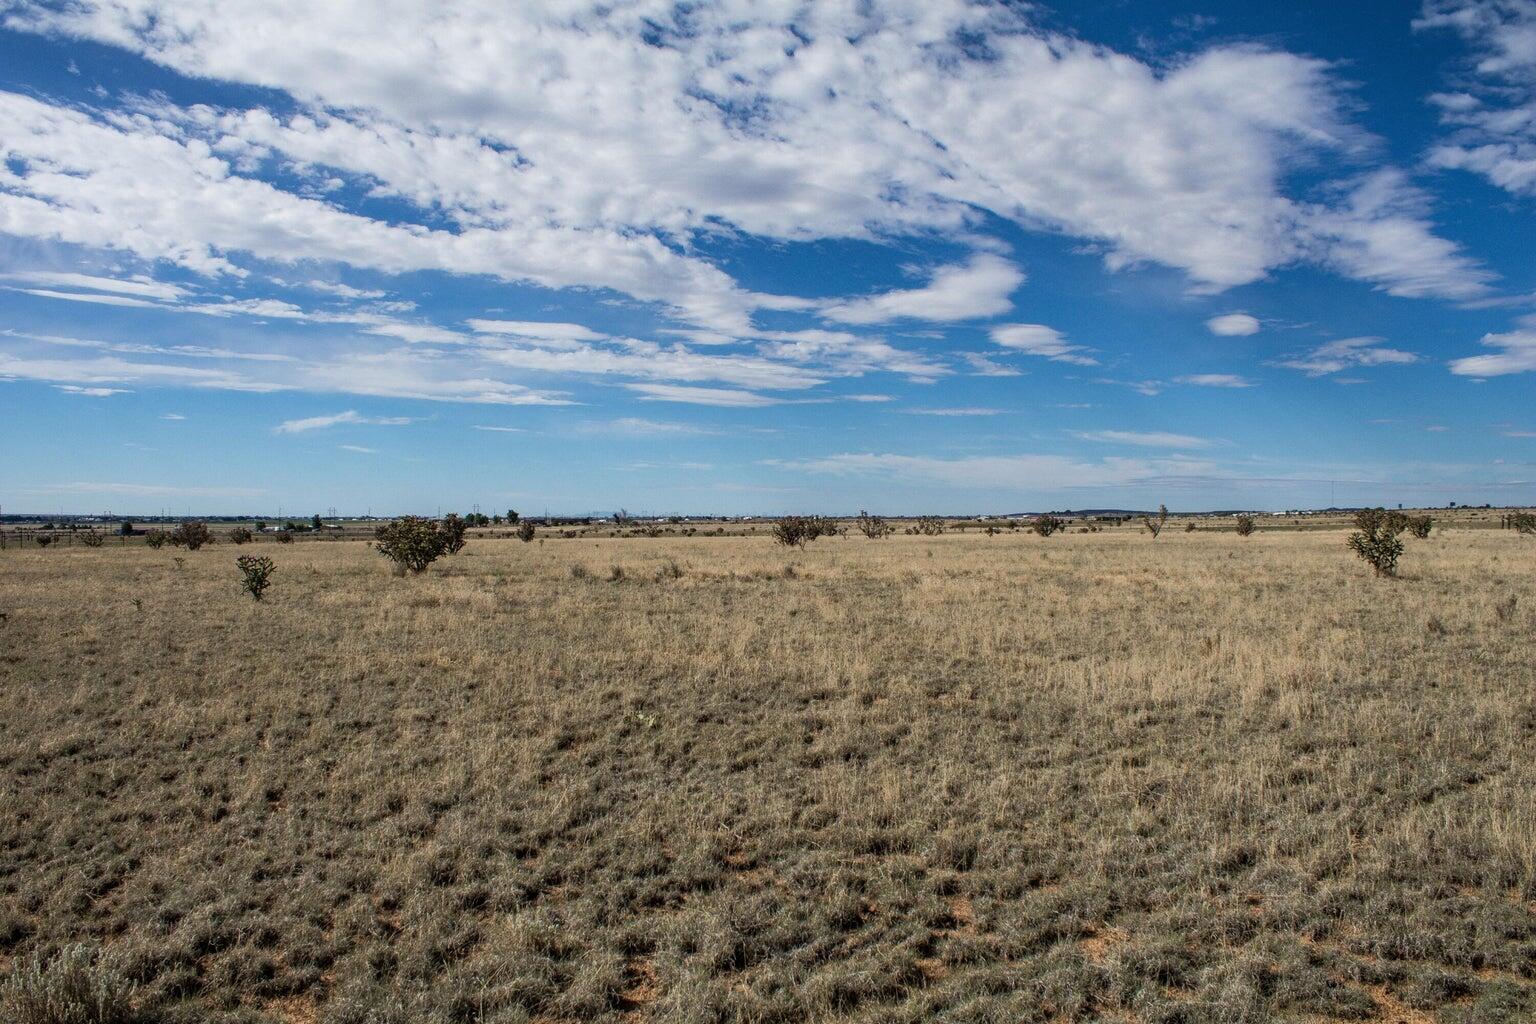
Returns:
(351,416)
(1145,439)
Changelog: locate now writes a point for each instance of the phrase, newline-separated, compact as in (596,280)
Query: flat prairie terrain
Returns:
(1096,777)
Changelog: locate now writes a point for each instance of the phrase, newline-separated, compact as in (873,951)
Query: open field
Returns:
(968,778)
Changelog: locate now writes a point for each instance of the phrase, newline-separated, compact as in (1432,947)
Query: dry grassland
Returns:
(959,778)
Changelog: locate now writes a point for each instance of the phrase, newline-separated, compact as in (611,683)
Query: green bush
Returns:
(411,542)
(1047,525)
(192,534)
(1155,526)
(257,573)
(1420,526)
(1244,526)
(798,531)
(81,985)
(452,529)
(92,539)
(526,531)
(156,538)
(929,526)
(874,527)
(1376,541)
(240,535)
(44,539)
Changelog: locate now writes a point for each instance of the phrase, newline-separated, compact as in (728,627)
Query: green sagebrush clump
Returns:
(526,530)
(240,535)
(156,538)
(411,542)
(257,574)
(1244,526)
(1047,525)
(798,531)
(1420,526)
(81,985)
(1376,540)
(92,539)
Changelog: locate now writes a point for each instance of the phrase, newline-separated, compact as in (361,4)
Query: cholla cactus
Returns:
(1377,540)
(257,571)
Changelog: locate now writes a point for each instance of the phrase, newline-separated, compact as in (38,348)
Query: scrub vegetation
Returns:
(962,777)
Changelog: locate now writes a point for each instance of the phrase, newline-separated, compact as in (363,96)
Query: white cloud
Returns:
(357,448)
(624,136)
(702,396)
(1493,128)
(141,287)
(351,416)
(1517,354)
(1346,353)
(91,297)
(1214,380)
(979,288)
(173,416)
(503,430)
(634,426)
(1040,340)
(968,410)
(537,331)
(1152,439)
(1233,325)
(75,389)
(984,366)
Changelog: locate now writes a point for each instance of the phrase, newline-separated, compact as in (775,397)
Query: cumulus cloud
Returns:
(1233,325)
(1040,340)
(635,127)
(980,288)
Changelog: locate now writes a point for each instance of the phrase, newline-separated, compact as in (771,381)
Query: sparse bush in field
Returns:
(240,535)
(512,517)
(669,570)
(452,529)
(874,527)
(1047,525)
(411,542)
(257,573)
(798,531)
(1377,539)
(653,531)
(1505,609)
(192,534)
(929,526)
(80,985)
(1522,522)
(284,536)
(44,539)
(526,531)
(125,529)
(1155,526)
(616,573)
(1189,527)
(156,538)
(1420,526)
(1244,526)
(91,539)
(580,572)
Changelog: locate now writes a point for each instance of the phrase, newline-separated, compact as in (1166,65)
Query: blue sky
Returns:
(757,258)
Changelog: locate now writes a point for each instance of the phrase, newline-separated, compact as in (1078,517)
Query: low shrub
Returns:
(452,529)
(798,531)
(1047,525)
(92,539)
(240,535)
(874,527)
(283,536)
(1155,526)
(44,539)
(192,534)
(929,526)
(1523,522)
(156,538)
(1420,526)
(81,985)
(257,574)
(1376,540)
(526,531)
(1244,526)
(411,542)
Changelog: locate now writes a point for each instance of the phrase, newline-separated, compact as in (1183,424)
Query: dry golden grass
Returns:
(969,778)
